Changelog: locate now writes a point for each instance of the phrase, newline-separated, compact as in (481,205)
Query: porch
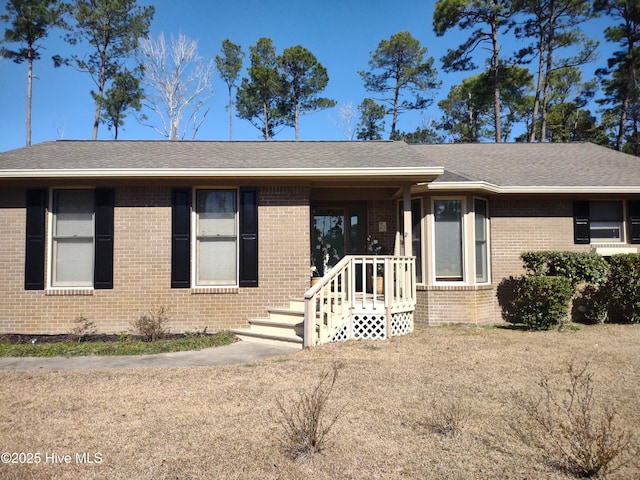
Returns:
(361,297)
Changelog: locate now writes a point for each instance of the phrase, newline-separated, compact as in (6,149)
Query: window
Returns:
(72,238)
(481,225)
(80,237)
(606,221)
(448,239)
(601,221)
(224,228)
(216,238)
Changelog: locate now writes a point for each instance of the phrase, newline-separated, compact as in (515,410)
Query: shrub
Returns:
(542,302)
(578,267)
(152,324)
(305,422)
(83,329)
(572,425)
(622,289)
(449,416)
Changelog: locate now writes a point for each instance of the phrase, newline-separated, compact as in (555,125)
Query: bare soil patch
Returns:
(218,422)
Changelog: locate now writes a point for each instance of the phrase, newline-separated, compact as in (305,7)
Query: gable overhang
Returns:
(489,188)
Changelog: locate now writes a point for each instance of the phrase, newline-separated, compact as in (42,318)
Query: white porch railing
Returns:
(347,302)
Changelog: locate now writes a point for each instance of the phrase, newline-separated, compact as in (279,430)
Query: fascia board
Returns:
(527,189)
(273,173)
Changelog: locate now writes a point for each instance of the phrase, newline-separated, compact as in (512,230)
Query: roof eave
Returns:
(417,174)
(530,189)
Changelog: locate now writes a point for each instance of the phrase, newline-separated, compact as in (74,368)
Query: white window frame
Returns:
(487,226)
(51,257)
(463,246)
(423,237)
(622,225)
(195,237)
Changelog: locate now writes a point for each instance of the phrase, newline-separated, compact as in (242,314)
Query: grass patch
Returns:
(124,345)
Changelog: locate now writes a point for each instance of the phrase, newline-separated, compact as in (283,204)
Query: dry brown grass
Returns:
(218,422)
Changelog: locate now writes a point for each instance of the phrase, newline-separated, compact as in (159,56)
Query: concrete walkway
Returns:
(239,352)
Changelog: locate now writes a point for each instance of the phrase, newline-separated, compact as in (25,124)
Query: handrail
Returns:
(330,303)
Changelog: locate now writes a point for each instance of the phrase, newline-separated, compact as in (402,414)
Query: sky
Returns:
(340,33)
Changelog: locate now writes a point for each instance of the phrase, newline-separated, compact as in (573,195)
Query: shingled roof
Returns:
(127,159)
(503,167)
(528,166)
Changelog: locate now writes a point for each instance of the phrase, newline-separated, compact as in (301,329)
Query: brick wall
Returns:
(518,224)
(142,268)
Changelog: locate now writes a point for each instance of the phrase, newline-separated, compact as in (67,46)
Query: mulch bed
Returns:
(17,338)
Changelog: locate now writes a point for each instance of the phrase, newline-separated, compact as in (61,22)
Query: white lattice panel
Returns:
(372,327)
(401,323)
(342,334)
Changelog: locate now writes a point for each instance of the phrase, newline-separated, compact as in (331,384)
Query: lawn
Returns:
(219,422)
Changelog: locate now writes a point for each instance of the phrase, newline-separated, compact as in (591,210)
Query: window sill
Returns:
(69,292)
(214,290)
(451,287)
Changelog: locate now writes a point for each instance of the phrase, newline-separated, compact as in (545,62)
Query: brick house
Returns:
(225,233)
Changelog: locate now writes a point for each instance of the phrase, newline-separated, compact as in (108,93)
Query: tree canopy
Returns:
(30,22)
(304,79)
(400,67)
(112,28)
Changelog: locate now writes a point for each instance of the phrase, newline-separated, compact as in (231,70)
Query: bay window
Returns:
(448,239)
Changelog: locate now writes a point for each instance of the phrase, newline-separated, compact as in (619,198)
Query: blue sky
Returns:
(341,33)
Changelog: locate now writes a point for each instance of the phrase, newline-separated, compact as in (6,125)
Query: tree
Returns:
(30,22)
(179,85)
(468,110)
(229,65)
(620,80)
(125,94)
(371,120)
(260,98)
(346,116)
(304,78)
(465,14)
(400,65)
(552,25)
(113,29)
(567,119)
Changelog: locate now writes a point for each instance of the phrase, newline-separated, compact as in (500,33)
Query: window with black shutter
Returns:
(180,238)
(35,246)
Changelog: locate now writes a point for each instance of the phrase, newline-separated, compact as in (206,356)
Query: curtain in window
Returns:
(480,208)
(448,239)
(216,237)
(73,238)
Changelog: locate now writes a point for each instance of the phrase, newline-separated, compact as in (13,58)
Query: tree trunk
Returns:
(394,122)
(495,64)
(539,86)
(230,115)
(29,90)
(265,111)
(621,124)
(296,117)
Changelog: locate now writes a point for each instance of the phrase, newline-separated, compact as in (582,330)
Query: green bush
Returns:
(578,267)
(621,291)
(541,301)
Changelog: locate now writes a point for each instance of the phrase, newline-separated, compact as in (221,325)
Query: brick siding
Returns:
(142,268)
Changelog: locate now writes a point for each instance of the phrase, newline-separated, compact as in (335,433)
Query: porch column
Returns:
(407,235)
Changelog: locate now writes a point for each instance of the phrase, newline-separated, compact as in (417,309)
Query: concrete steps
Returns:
(284,325)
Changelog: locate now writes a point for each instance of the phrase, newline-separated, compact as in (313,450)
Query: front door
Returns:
(337,230)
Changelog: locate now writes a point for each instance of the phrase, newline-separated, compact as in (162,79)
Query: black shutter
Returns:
(581,225)
(103,265)
(248,213)
(180,238)
(634,221)
(36,227)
